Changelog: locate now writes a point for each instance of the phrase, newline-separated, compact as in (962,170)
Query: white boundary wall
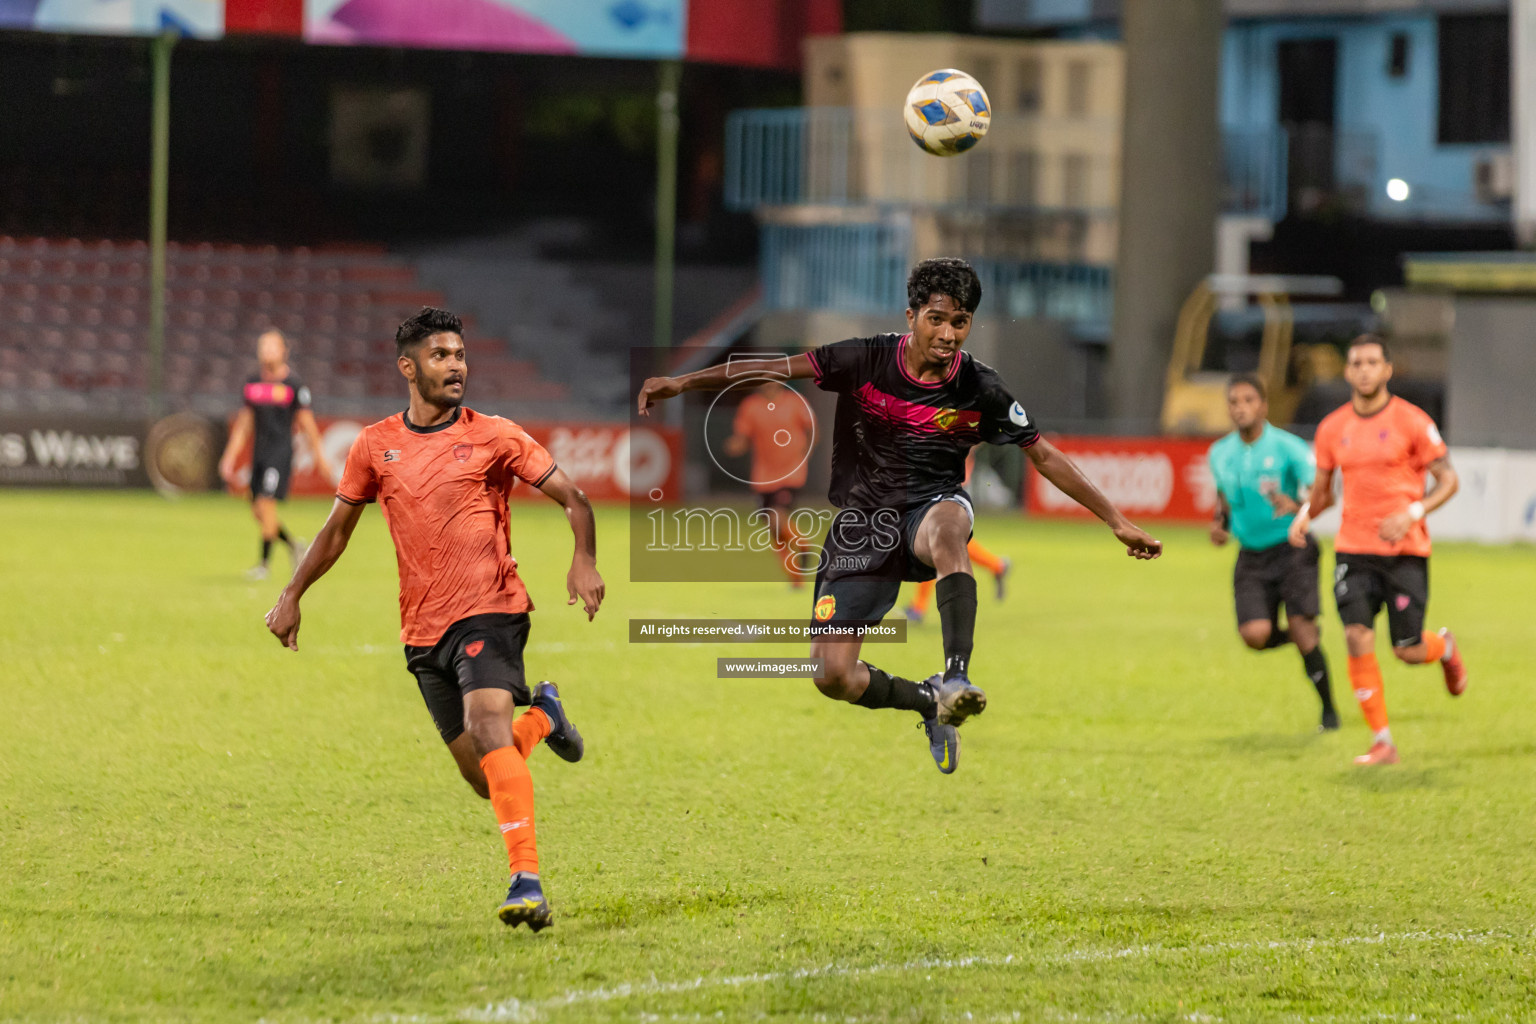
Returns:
(1497,500)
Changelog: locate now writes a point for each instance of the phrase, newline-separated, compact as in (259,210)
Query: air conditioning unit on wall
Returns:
(379,137)
(1493,176)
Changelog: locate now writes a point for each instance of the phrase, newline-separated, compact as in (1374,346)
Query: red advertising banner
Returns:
(609,461)
(1146,477)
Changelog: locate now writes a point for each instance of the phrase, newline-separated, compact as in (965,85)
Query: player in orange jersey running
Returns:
(441,473)
(1382,446)
(777,426)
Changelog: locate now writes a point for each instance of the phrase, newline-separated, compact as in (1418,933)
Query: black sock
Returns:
(1278,638)
(956,597)
(266,551)
(1317,671)
(282,535)
(888,691)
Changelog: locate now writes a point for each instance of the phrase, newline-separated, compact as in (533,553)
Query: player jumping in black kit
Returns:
(909,409)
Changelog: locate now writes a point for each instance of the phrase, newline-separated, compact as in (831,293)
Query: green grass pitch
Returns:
(198,825)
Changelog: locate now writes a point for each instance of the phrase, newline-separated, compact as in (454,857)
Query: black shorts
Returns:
(1265,579)
(477,653)
(270,480)
(1363,583)
(867,556)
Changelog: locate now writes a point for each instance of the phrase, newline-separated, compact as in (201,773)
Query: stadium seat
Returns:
(339,305)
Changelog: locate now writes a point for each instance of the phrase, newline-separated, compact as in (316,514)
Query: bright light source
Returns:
(1397,190)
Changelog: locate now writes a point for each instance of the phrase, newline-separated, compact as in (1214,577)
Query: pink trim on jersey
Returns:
(268,393)
(815,365)
(899,412)
(901,361)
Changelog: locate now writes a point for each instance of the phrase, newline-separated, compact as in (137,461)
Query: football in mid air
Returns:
(947,112)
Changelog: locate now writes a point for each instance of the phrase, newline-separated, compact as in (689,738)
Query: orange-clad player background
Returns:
(776,425)
(441,474)
(1382,446)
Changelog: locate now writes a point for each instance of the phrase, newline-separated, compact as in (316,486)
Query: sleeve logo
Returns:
(1434,434)
(1017,415)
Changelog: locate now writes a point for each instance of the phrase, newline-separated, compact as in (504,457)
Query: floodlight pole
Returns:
(159,201)
(671,74)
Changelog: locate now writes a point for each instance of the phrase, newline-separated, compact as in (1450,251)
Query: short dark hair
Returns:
(423,325)
(1370,339)
(945,275)
(1253,380)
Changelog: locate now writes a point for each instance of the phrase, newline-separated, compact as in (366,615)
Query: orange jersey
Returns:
(781,430)
(1383,458)
(443,492)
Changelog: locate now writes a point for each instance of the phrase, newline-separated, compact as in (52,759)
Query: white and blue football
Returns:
(947,112)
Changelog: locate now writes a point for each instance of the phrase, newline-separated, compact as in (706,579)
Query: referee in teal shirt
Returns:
(1261,474)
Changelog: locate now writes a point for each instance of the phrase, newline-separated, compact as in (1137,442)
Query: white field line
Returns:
(519,1011)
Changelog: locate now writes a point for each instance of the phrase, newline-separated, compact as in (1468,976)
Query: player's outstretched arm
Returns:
(583,581)
(1063,472)
(239,436)
(717,378)
(329,543)
(1317,502)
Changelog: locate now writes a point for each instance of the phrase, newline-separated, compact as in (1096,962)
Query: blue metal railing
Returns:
(1076,292)
(862,268)
(820,156)
(836,156)
(1254,178)
(855,268)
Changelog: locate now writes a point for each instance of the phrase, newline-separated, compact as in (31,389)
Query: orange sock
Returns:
(984,558)
(531,727)
(1434,647)
(1365,677)
(512,799)
(922,596)
(789,544)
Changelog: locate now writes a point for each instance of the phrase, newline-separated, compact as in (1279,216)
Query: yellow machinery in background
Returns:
(1195,400)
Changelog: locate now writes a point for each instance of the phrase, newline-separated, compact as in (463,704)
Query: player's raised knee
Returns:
(834,682)
(487,730)
(1255,634)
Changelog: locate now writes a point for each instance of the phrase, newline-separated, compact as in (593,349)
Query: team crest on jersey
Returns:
(826,607)
(473,649)
(462,451)
(393,455)
(945,418)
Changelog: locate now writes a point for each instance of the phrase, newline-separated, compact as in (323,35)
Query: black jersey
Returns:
(273,403)
(897,441)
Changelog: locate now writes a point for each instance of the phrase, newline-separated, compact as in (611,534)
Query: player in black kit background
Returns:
(276,401)
(909,409)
